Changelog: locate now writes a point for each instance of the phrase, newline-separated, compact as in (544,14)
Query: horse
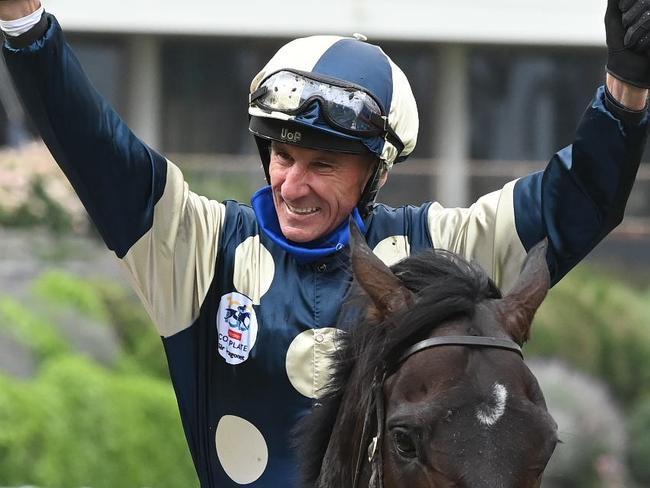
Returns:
(430,388)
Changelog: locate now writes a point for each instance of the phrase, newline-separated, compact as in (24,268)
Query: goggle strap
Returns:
(381,121)
(259,93)
(394,139)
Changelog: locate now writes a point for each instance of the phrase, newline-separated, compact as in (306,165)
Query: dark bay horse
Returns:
(430,388)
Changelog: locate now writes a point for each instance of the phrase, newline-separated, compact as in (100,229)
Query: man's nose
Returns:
(296,182)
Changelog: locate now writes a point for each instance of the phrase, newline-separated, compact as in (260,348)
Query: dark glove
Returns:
(627,24)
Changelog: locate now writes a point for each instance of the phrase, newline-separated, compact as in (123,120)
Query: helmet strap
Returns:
(264,148)
(369,194)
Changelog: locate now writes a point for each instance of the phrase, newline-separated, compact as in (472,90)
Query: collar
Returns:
(308,252)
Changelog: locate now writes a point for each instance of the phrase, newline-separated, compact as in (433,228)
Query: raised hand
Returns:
(627,41)
(636,22)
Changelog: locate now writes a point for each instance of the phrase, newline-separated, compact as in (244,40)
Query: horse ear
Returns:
(385,290)
(518,307)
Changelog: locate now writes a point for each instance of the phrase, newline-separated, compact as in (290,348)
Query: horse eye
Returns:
(404,444)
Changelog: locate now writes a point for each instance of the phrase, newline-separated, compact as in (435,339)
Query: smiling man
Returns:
(314,191)
(246,298)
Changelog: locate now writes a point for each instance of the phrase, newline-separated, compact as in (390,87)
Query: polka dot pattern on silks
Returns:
(308,360)
(392,249)
(241,449)
(254,269)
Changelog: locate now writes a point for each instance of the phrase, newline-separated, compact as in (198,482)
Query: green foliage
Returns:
(78,424)
(91,427)
(599,325)
(31,329)
(639,447)
(107,302)
(141,343)
(61,288)
(21,420)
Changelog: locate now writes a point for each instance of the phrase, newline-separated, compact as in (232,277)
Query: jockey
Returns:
(246,298)
(344,104)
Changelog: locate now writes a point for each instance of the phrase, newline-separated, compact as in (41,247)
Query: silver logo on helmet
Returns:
(290,136)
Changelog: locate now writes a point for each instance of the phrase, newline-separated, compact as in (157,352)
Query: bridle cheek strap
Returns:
(374,447)
(377,462)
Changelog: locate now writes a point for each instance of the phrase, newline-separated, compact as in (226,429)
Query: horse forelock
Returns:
(446,287)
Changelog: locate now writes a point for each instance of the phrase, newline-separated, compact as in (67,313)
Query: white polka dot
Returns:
(308,360)
(254,269)
(241,449)
(393,249)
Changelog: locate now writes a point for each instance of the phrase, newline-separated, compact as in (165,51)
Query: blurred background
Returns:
(85,398)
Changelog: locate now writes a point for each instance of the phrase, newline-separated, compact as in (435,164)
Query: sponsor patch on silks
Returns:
(236,327)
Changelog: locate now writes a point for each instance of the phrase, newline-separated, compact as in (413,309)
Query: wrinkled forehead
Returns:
(343,58)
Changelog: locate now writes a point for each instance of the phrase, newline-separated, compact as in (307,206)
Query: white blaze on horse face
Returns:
(490,412)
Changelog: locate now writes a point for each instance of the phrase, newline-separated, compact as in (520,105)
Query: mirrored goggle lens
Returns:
(349,108)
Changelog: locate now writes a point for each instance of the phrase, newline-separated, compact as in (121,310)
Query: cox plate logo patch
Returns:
(237,327)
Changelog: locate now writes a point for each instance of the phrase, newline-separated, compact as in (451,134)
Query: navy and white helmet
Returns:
(321,65)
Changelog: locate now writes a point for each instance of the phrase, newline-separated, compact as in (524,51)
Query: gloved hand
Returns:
(627,24)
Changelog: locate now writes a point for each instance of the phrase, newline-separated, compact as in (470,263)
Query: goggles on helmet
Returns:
(345,106)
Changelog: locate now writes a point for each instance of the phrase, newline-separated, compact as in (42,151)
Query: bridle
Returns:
(375,446)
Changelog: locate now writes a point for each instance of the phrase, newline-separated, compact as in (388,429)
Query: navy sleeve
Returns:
(581,195)
(117,177)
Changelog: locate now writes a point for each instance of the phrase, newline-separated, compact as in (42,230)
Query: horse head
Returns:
(454,415)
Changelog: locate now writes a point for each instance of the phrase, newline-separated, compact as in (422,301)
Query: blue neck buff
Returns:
(304,253)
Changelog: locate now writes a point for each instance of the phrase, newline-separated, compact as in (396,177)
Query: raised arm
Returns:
(165,235)
(581,195)
(117,177)
(583,192)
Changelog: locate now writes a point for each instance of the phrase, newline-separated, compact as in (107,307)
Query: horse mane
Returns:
(445,287)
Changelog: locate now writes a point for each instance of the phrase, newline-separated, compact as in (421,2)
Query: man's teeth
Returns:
(301,211)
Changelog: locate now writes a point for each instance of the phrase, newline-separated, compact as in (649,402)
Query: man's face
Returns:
(314,190)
